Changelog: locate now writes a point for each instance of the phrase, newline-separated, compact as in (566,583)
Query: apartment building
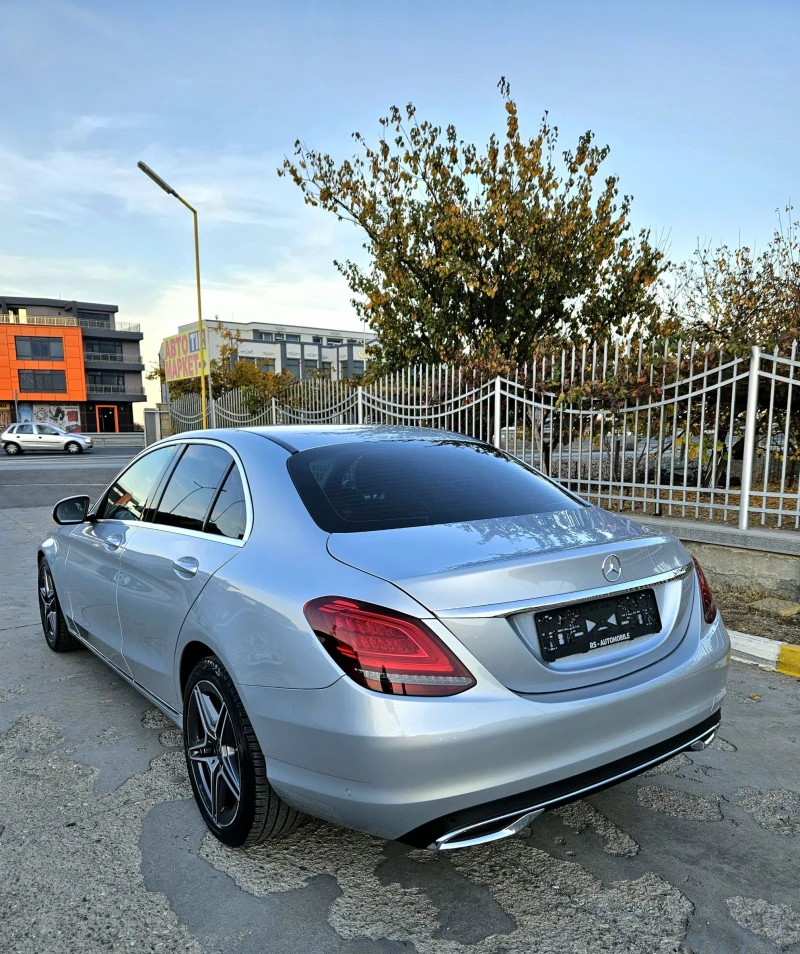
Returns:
(301,350)
(70,363)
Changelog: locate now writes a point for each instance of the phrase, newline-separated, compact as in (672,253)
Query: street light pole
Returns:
(201,345)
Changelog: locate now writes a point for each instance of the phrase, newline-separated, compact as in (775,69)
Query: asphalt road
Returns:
(102,848)
(41,480)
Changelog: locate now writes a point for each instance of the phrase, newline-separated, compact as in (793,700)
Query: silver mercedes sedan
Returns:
(401,630)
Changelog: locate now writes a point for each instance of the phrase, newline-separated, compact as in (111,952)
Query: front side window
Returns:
(43,381)
(192,487)
(40,349)
(229,514)
(47,429)
(349,488)
(128,495)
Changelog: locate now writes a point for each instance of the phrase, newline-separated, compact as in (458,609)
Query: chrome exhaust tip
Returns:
(461,837)
(699,744)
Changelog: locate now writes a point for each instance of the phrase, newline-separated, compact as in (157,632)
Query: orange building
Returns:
(68,363)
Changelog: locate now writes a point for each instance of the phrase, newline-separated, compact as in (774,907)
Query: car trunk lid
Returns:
(485,580)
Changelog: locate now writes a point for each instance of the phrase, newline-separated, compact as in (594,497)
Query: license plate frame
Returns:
(593,624)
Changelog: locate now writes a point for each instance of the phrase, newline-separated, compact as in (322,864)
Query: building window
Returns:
(96,346)
(279,336)
(334,341)
(326,367)
(293,366)
(262,336)
(358,367)
(317,339)
(310,366)
(354,341)
(292,337)
(106,381)
(266,365)
(40,349)
(41,381)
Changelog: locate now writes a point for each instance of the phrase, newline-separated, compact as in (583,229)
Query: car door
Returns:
(193,529)
(48,438)
(92,567)
(26,437)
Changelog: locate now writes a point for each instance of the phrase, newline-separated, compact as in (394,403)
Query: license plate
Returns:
(582,627)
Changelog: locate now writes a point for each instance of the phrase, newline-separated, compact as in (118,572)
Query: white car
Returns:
(19,438)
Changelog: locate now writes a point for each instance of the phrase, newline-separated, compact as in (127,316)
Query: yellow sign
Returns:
(182,356)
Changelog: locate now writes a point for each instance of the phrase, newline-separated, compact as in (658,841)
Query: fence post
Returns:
(360,405)
(496,437)
(274,411)
(750,428)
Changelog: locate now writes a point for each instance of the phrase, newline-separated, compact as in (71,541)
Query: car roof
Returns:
(300,437)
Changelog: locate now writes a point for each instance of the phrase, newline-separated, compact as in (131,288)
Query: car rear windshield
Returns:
(349,488)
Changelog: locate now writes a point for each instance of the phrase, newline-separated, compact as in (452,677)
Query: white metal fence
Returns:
(676,429)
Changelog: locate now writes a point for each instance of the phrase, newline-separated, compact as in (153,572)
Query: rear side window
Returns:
(229,514)
(349,488)
(128,494)
(192,487)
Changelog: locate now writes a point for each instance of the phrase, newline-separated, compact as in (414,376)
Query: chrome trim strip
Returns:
(564,599)
(445,842)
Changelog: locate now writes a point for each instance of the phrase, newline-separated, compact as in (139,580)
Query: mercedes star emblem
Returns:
(612,568)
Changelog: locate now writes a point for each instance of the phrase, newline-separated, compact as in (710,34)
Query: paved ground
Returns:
(38,480)
(101,848)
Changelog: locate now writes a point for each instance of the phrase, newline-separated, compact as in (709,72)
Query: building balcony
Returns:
(108,325)
(59,320)
(119,362)
(115,392)
(114,388)
(68,321)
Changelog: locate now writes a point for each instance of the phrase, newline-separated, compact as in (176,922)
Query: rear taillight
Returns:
(706,596)
(384,650)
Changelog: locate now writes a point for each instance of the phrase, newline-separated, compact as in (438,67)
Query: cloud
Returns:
(64,182)
(48,277)
(83,127)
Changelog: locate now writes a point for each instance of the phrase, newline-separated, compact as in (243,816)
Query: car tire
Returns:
(73,447)
(226,766)
(12,449)
(54,626)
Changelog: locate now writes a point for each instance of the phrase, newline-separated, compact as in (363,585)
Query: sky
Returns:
(697,99)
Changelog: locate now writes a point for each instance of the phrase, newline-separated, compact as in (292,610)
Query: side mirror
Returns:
(71,510)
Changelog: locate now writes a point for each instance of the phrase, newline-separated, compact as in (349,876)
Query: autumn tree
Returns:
(472,252)
(739,297)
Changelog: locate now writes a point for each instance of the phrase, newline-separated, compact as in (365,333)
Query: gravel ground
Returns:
(102,849)
(735,608)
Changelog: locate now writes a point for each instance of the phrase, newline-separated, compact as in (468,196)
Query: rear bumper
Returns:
(413,769)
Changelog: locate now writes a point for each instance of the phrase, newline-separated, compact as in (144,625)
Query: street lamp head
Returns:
(156,178)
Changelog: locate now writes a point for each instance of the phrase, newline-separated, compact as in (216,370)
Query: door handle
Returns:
(186,566)
(114,541)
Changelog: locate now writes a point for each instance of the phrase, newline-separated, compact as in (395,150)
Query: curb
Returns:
(760,651)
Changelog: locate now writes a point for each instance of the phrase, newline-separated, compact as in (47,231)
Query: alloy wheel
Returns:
(213,751)
(48,605)
(73,448)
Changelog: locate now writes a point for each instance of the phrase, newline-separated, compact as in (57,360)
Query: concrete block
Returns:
(776,607)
